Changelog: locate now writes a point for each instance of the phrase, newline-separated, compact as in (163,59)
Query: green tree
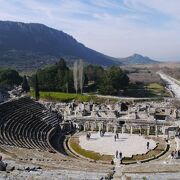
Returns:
(57,77)
(9,78)
(94,72)
(25,85)
(37,95)
(113,80)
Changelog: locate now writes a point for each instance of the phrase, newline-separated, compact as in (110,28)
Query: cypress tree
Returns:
(25,85)
(37,95)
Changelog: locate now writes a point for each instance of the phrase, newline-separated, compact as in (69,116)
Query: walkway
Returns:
(173,84)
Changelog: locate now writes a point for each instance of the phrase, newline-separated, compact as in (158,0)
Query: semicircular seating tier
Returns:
(27,124)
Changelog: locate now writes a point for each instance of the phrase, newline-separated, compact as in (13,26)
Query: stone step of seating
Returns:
(25,123)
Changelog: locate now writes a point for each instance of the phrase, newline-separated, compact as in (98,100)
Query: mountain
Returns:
(137,59)
(32,45)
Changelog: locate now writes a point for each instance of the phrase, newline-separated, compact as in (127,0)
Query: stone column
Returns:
(115,129)
(140,130)
(107,127)
(163,129)
(95,125)
(88,125)
(156,130)
(122,129)
(131,130)
(148,130)
(99,126)
(92,126)
(84,126)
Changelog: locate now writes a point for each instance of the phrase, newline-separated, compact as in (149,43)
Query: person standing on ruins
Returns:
(120,155)
(148,145)
(172,154)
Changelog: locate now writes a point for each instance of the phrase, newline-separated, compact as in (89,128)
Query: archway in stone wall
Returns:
(136,129)
(144,130)
(111,128)
(152,130)
(160,130)
(120,127)
(81,127)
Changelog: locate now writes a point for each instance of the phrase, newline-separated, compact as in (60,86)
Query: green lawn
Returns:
(150,90)
(64,97)
(157,89)
(68,97)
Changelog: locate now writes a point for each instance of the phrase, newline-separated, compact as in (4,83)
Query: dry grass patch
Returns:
(74,143)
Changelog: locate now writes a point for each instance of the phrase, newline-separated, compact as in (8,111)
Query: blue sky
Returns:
(117,28)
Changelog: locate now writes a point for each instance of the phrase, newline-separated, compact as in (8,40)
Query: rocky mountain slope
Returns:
(33,45)
(137,59)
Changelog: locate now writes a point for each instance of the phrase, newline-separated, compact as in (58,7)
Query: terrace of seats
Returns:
(26,123)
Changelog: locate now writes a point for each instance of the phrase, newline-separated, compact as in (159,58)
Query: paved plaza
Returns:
(127,144)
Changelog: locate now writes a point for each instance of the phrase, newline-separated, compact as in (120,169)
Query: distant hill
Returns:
(30,46)
(137,59)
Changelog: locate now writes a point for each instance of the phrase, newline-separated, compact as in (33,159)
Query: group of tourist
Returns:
(175,154)
(118,154)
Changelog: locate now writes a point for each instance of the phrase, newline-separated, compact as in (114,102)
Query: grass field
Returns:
(149,90)
(157,89)
(67,97)
(64,97)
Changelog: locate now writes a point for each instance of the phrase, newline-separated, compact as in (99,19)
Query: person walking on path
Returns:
(115,138)
(172,154)
(148,145)
(116,154)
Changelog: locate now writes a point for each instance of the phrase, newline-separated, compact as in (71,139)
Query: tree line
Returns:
(10,78)
(80,78)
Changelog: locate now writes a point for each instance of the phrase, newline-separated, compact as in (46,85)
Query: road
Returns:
(172,84)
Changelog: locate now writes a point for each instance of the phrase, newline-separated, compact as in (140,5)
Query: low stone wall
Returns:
(148,159)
